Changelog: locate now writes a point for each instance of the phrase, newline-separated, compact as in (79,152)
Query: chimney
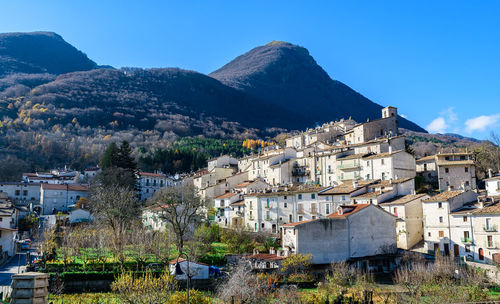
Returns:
(255,251)
(340,210)
(272,251)
(390,148)
(449,188)
(480,202)
(354,184)
(490,174)
(390,181)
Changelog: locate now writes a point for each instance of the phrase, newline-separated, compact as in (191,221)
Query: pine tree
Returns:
(110,156)
(125,159)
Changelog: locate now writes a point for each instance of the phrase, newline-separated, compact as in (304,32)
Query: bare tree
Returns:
(182,208)
(242,286)
(116,208)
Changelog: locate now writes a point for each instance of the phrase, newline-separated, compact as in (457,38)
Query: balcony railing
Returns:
(300,211)
(314,211)
(490,228)
(467,240)
(348,166)
(251,218)
(268,218)
(300,172)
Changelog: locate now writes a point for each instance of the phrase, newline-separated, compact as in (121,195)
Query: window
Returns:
(313,196)
(327,208)
(395,211)
(267,203)
(268,215)
(222,203)
(440,219)
(327,198)
(314,217)
(440,205)
(425,167)
(382,161)
(383,175)
(18,192)
(300,196)
(300,218)
(488,224)
(368,176)
(447,158)
(490,241)
(441,234)
(429,234)
(284,197)
(285,205)
(467,248)
(446,170)
(368,164)
(462,157)
(465,218)
(466,235)
(25,192)
(466,169)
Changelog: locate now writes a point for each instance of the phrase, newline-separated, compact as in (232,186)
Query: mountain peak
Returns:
(40,52)
(286,75)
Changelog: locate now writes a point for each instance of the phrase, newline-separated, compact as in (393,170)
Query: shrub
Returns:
(144,289)
(195,296)
(297,263)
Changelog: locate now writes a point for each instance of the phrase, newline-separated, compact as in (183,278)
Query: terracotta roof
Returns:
(368,195)
(348,210)
(152,174)
(382,155)
(238,203)
(226,195)
(347,187)
(385,183)
(265,257)
(243,184)
(65,187)
(425,158)
(453,154)
(455,162)
(490,209)
(444,196)
(402,199)
(298,223)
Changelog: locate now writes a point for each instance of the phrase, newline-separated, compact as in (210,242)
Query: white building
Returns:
(56,198)
(8,230)
(354,231)
(152,218)
(493,186)
(437,212)
(224,161)
(21,193)
(149,183)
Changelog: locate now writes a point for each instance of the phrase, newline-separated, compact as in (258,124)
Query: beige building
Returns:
(387,126)
(409,225)
(456,171)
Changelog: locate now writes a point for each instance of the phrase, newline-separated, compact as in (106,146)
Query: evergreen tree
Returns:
(125,159)
(110,156)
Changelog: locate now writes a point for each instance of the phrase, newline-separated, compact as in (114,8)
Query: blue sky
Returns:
(437,61)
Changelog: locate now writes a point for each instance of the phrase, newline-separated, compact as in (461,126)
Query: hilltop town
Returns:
(343,192)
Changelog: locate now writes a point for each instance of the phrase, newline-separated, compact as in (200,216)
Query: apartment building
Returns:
(269,210)
(437,212)
(21,193)
(151,182)
(493,185)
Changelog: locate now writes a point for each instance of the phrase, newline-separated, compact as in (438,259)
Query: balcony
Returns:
(269,219)
(296,172)
(314,211)
(490,228)
(348,166)
(239,213)
(251,218)
(300,211)
(466,240)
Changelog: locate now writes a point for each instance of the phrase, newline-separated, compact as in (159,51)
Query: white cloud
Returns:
(445,121)
(482,122)
(402,115)
(438,125)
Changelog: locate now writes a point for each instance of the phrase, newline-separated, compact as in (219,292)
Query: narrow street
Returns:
(15,265)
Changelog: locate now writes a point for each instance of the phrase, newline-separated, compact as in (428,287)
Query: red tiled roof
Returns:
(349,209)
(180,260)
(265,257)
(297,223)
(152,174)
(226,195)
